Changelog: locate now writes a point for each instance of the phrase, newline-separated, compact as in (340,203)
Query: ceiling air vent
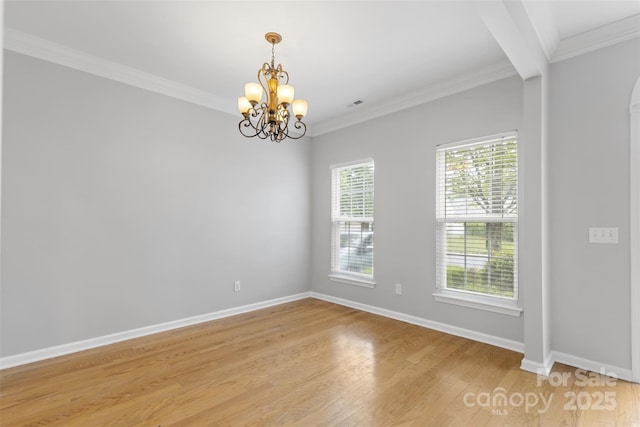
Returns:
(356,102)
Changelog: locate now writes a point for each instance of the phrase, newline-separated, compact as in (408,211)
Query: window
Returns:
(477,219)
(352,223)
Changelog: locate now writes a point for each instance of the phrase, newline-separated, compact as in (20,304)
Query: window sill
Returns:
(479,302)
(352,280)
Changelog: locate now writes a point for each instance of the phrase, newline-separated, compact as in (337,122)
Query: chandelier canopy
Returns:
(270,118)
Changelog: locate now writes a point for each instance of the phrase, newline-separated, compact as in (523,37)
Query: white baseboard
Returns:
(527,365)
(590,365)
(538,368)
(61,350)
(442,327)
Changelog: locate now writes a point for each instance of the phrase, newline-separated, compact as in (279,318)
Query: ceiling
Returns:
(389,54)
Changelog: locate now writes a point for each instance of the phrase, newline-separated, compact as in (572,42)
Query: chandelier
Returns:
(270,119)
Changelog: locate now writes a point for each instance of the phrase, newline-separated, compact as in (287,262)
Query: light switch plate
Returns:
(606,235)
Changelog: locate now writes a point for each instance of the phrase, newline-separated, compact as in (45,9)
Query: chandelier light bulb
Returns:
(300,107)
(253,92)
(285,94)
(244,105)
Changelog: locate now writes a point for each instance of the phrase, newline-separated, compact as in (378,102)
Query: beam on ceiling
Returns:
(544,26)
(511,26)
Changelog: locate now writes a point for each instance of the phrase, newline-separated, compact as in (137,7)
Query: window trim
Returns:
(492,303)
(351,278)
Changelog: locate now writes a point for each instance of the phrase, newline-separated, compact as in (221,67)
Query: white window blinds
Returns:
(352,219)
(476,216)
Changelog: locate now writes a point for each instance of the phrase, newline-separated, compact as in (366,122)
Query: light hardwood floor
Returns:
(306,363)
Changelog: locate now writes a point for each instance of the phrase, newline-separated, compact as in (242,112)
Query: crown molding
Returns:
(36,47)
(607,35)
(27,44)
(475,78)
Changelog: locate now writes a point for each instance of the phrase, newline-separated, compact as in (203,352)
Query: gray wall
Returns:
(403,147)
(588,179)
(123,208)
(589,186)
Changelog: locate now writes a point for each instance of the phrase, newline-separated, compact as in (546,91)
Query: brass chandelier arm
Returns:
(261,128)
(283,74)
(245,125)
(299,125)
(252,128)
(268,70)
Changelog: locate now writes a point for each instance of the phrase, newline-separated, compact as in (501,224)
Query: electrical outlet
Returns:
(398,288)
(236,285)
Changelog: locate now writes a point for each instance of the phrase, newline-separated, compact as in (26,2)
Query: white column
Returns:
(634,226)
(1,102)
(534,262)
